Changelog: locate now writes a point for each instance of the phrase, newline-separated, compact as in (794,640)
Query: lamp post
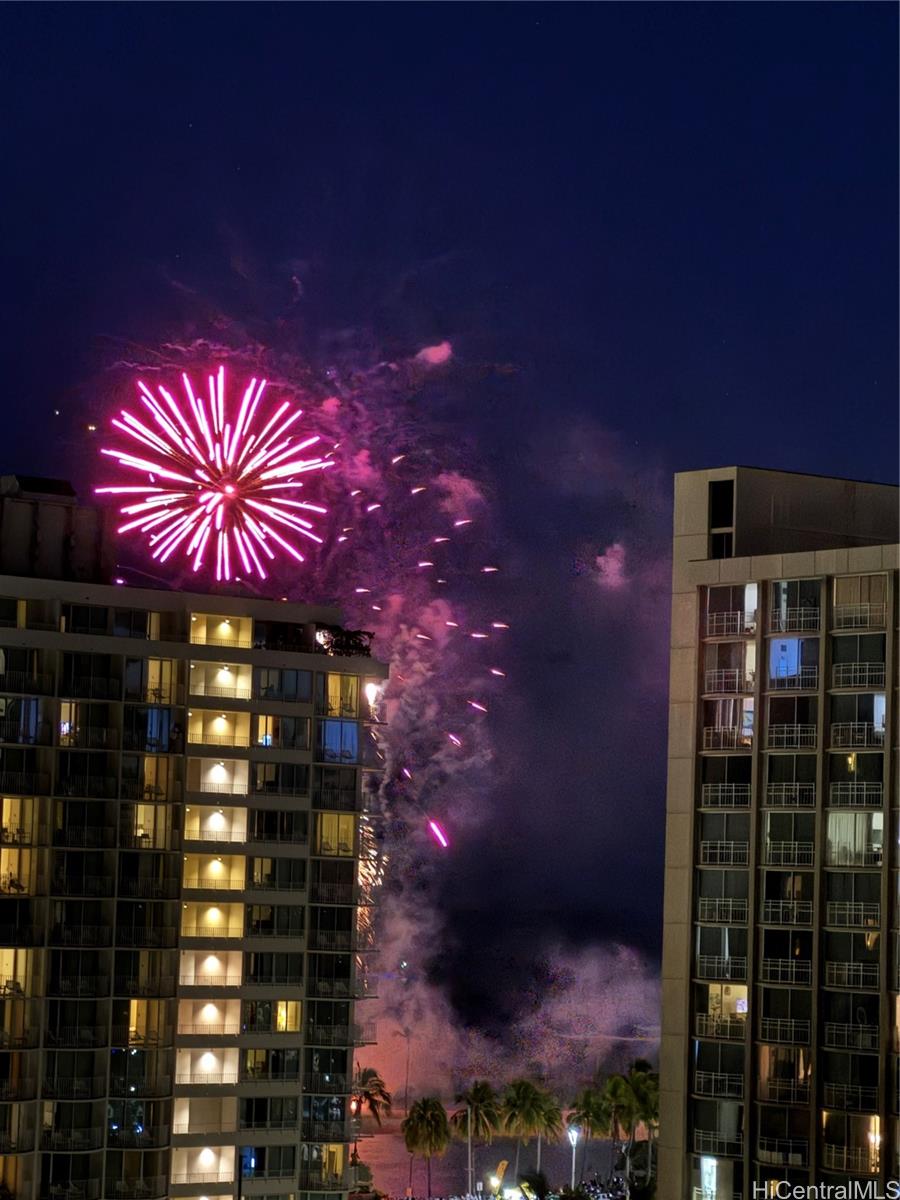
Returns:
(573,1133)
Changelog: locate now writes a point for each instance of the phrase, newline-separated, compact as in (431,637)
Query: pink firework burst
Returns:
(215,481)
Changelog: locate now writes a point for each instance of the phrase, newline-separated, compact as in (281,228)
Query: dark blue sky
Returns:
(678,222)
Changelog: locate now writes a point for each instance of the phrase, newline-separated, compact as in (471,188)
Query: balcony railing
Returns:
(201,738)
(27,783)
(336,799)
(72,1139)
(224,1125)
(859,616)
(857,675)
(215,835)
(791,795)
(841,1035)
(791,737)
(147,1086)
(730,1029)
(725,795)
(794,620)
(713,908)
(804,679)
(205,883)
(787,912)
(78,1035)
(209,1029)
(80,985)
(788,1030)
(726,738)
(784,1091)
(73,1087)
(221,789)
(718,1083)
(130,1139)
(190,929)
(850,1097)
(147,1188)
(785,1152)
(726,681)
(724,853)
(199,980)
(182,1177)
(850,734)
(854,914)
(841,855)
(80,935)
(708,1141)
(850,974)
(722,624)
(786,970)
(789,854)
(326,1083)
(332,893)
(207,1078)
(25,683)
(199,688)
(863,1160)
(717,966)
(856,795)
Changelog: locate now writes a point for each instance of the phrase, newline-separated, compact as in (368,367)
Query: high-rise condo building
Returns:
(781,953)
(183,918)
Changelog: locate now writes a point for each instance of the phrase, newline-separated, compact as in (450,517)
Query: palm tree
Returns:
(481,1106)
(620,1101)
(523,1113)
(426,1131)
(590,1114)
(551,1123)
(370,1092)
(644,1084)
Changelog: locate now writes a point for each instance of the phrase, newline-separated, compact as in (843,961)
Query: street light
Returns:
(573,1133)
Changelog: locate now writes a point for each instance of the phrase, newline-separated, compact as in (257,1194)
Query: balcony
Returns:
(202,738)
(726,738)
(336,799)
(72,1139)
(155,1188)
(724,853)
(791,795)
(23,683)
(794,620)
(783,1152)
(786,970)
(851,974)
(784,1091)
(184,1177)
(332,893)
(725,1144)
(719,1084)
(789,854)
(718,910)
(787,912)
(342,1035)
(856,734)
(158,937)
(804,679)
(217,981)
(213,1029)
(726,682)
(326,1084)
(862,1160)
(80,985)
(851,914)
(80,935)
(13,733)
(839,1035)
(321,1181)
(91,837)
(727,1029)
(325,1131)
(90,787)
(84,1036)
(144,1086)
(859,616)
(716,966)
(207,1079)
(90,687)
(72,1087)
(857,675)
(786,1030)
(850,1097)
(725,795)
(791,737)
(842,855)
(24,783)
(856,795)
(730,624)
(84,1189)
(220,691)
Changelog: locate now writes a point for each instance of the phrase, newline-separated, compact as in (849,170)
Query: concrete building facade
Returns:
(184,920)
(781,953)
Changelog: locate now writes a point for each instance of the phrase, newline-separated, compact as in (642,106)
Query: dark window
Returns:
(721,545)
(721,504)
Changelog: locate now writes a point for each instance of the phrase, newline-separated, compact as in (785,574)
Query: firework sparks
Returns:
(217,481)
(438,834)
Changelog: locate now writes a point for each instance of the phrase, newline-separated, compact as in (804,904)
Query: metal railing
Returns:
(788,1030)
(189,929)
(791,737)
(803,679)
(182,1177)
(211,1029)
(146,1188)
(180,1128)
(725,795)
(724,853)
(206,1078)
(784,1091)
(732,1029)
(850,734)
(25,683)
(73,1087)
(726,680)
(238,642)
(786,1152)
(787,912)
(717,737)
(215,835)
(839,854)
(719,909)
(210,980)
(77,1035)
(201,738)
(718,966)
(218,692)
(28,783)
(220,789)
(862,1159)
(851,974)
(721,624)
(856,794)
(786,970)
(794,620)
(789,854)
(859,616)
(790,795)
(719,1083)
(203,883)
(126,1085)
(855,914)
(707,1141)
(72,1139)
(857,675)
(80,985)
(850,1096)
(80,935)
(841,1035)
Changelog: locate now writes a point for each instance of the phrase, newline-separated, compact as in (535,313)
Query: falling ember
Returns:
(426,564)
(497,671)
(372,507)
(397,458)
(221,481)
(499,625)
(423,637)
(479,635)
(438,834)
(407,773)
(415,491)
(438,540)
(361,591)
(466,521)
(452,624)
(489,570)
(476,705)
(454,739)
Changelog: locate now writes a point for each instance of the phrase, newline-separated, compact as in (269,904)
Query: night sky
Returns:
(670,230)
